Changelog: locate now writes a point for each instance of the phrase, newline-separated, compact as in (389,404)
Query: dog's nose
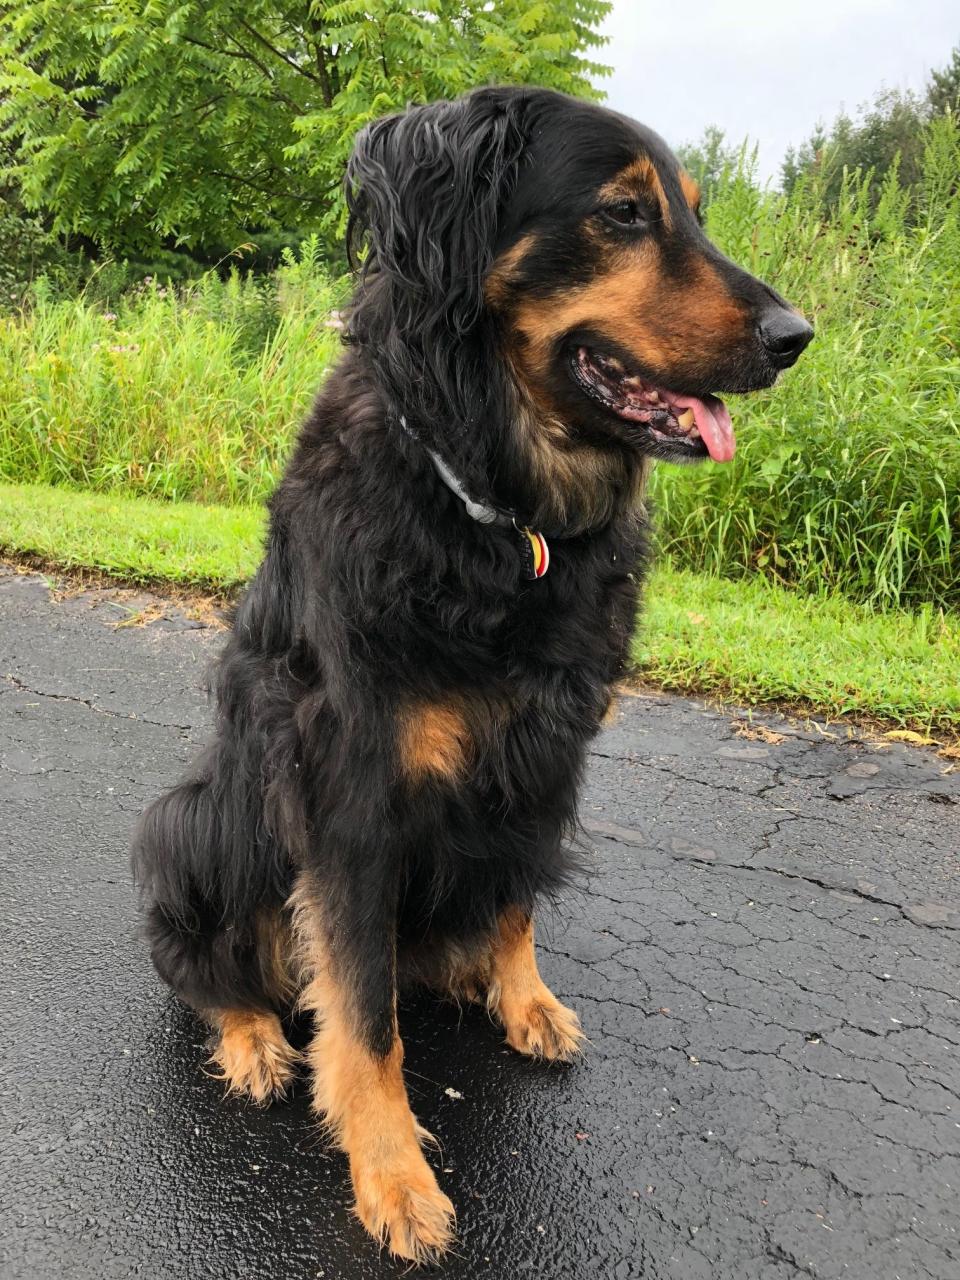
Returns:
(785,335)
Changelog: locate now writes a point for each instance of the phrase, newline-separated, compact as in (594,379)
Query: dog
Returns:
(445,604)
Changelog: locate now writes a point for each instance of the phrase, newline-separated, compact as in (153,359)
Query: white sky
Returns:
(767,69)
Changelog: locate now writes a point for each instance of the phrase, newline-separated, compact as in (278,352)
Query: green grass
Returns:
(136,539)
(752,640)
(758,642)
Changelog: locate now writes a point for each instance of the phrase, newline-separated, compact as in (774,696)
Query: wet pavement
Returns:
(765,959)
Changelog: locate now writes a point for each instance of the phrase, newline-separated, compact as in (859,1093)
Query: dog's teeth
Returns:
(609,365)
(686,419)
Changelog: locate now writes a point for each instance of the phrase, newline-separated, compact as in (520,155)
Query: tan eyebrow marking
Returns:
(691,189)
(499,281)
(639,174)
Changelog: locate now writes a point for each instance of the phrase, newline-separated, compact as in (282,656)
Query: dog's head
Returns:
(541,260)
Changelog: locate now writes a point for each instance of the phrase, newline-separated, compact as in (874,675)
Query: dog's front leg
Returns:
(356,1058)
(536,1022)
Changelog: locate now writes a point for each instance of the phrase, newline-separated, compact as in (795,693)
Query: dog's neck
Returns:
(518,454)
(539,476)
(568,484)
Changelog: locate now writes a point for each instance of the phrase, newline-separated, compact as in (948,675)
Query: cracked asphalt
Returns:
(765,958)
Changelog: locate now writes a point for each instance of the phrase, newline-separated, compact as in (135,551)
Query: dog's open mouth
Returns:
(685,426)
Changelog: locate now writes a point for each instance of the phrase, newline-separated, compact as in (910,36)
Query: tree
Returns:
(708,160)
(893,125)
(943,91)
(131,121)
(891,130)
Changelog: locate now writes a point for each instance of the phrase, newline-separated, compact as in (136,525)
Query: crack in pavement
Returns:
(21,687)
(620,835)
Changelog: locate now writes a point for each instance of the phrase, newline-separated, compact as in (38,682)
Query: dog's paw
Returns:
(253,1056)
(403,1208)
(544,1028)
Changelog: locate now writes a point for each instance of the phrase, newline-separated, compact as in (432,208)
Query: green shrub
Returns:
(27,248)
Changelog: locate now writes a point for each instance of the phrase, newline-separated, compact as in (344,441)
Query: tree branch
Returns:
(279,53)
(243,54)
(266,191)
(268,75)
(324,77)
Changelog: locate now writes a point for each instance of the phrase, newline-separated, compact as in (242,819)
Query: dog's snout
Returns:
(785,335)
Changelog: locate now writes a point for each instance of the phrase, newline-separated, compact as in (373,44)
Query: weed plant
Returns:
(189,392)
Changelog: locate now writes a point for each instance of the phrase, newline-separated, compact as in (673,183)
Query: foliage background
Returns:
(194,123)
(144,141)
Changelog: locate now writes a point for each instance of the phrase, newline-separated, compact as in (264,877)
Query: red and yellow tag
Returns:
(541,552)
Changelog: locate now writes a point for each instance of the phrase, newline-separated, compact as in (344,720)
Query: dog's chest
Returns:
(578,619)
(566,645)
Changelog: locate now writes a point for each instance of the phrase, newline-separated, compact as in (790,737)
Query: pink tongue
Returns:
(713,422)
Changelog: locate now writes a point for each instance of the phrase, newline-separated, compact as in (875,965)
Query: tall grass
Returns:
(847,475)
(181,393)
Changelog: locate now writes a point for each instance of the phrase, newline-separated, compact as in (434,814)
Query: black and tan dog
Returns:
(448,592)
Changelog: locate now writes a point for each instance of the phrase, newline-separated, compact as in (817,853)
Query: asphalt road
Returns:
(765,960)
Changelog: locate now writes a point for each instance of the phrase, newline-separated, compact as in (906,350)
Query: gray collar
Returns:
(482,512)
(533,548)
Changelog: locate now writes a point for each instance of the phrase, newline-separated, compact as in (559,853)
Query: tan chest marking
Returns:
(433,741)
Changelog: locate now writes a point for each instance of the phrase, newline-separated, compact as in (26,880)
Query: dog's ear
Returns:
(425,190)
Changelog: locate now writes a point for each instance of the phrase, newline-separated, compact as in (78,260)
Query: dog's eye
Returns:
(625,213)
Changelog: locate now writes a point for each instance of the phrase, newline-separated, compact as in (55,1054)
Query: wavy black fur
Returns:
(377,592)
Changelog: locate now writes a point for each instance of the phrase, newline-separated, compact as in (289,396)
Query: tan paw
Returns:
(253,1056)
(544,1028)
(402,1207)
